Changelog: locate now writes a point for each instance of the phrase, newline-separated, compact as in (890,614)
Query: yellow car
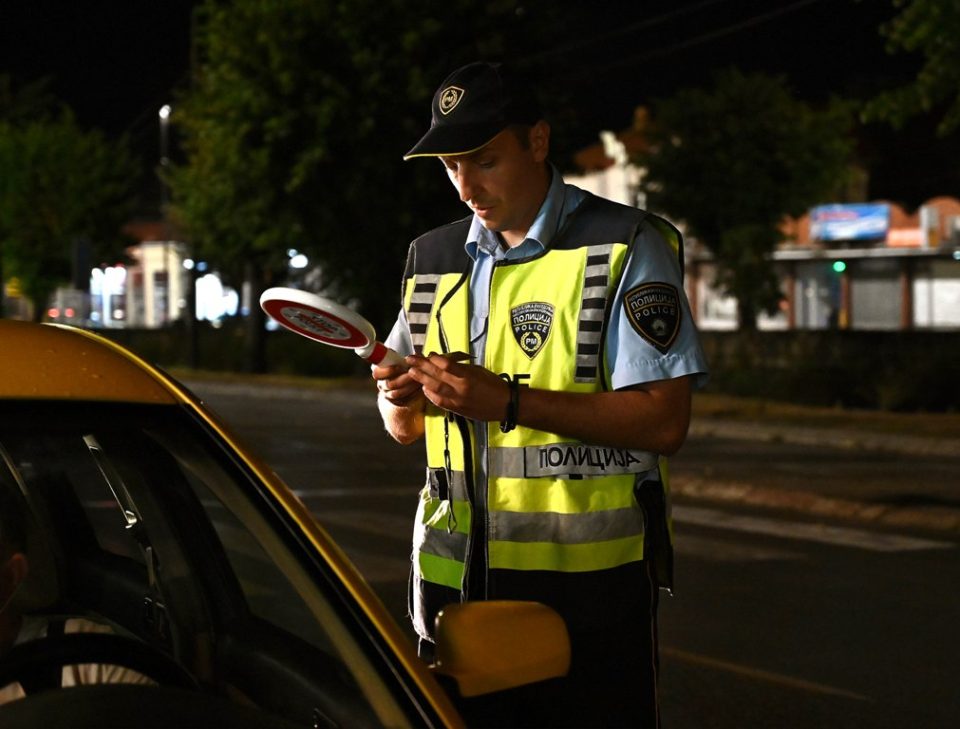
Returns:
(142,515)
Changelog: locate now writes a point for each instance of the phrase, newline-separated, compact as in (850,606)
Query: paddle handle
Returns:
(377,353)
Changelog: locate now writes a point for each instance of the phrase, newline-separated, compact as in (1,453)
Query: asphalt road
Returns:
(787,622)
(780,618)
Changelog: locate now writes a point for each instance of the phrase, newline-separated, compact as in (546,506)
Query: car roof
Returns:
(48,361)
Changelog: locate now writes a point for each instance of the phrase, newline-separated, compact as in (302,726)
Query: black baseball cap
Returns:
(472,106)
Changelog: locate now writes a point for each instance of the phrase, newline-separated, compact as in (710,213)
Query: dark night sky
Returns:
(116,62)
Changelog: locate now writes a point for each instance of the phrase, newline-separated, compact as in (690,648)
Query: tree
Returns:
(30,102)
(60,187)
(732,161)
(930,28)
(294,128)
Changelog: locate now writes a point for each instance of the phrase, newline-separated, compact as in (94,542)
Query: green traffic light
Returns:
(839,266)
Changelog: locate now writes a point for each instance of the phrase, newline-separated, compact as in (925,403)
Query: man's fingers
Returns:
(422,369)
(438,374)
(387,372)
(428,379)
(400,393)
(403,397)
(395,384)
(401,385)
(435,363)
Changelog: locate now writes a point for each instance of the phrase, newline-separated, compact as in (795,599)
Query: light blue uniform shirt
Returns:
(632,360)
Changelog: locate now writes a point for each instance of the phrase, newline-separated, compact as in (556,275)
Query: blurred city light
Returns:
(108,291)
(214,300)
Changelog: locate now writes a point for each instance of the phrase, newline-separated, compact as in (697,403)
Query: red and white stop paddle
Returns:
(328,322)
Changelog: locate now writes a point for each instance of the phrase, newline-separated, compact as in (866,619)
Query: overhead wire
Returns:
(590,69)
(623,30)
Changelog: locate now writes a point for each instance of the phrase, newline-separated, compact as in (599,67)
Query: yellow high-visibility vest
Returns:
(548,503)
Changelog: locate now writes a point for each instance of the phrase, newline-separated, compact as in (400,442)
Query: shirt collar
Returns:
(541,232)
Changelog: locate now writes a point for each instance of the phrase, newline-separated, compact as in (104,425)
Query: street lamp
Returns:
(164,115)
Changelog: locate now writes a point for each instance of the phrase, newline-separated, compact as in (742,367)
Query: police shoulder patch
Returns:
(531,324)
(653,310)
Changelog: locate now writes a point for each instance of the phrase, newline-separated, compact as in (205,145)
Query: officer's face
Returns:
(505,182)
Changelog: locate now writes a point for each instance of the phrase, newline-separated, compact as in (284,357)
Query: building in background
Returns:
(153,287)
(848,266)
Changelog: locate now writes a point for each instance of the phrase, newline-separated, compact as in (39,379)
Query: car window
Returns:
(269,593)
(105,466)
(278,586)
(150,485)
(58,464)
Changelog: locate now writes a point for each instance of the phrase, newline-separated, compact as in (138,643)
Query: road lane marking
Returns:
(840,536)
(378,569)
(760,674)
(373,523)
(724,550)
(337,493)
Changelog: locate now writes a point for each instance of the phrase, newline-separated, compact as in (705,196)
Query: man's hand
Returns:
(395,384)
(466,389)
(401,402)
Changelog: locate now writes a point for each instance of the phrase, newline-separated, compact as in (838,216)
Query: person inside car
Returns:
(17,628)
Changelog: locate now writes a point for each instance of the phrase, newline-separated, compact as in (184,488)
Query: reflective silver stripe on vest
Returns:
(563,459)
(594,526)
(593,305)
(442,543)
(421,304)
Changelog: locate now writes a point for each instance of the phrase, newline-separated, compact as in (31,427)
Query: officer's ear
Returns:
(540,140)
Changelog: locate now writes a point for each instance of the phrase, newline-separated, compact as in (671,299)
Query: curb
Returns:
(931,518)
(834,437)
(944,519)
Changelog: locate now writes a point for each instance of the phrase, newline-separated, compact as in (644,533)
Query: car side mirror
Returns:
(495,645)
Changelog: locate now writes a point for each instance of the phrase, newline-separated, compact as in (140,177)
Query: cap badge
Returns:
(531,326)
(449,98)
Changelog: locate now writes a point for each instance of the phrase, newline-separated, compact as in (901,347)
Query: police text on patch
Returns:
(653,310)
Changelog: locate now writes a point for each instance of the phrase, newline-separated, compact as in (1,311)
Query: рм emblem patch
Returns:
(653,310)
(531,325)
(449,98)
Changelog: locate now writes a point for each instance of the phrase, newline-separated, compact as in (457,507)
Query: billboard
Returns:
(855,221)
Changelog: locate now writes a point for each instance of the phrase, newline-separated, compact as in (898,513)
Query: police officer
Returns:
(550,360)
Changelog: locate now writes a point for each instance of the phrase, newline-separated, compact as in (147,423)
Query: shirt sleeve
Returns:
(399,339)
(652,335)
